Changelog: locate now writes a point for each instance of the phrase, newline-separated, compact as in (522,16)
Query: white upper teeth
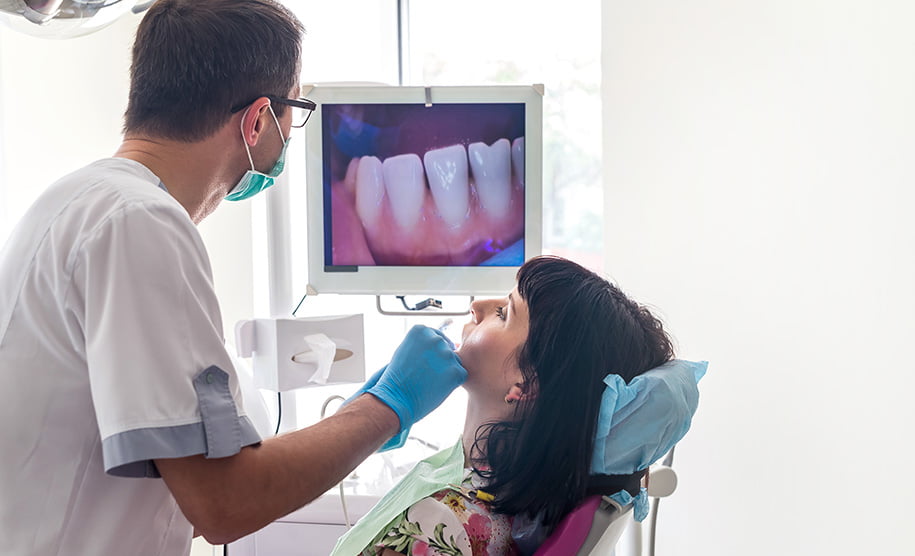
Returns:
(406,187)
(349,180)
(369,190)
(491,167)
(400,183)
(518,159)
(446,170)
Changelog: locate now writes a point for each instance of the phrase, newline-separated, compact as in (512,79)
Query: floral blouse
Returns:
(451,522)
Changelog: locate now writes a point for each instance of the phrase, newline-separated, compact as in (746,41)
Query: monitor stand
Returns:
(426,307)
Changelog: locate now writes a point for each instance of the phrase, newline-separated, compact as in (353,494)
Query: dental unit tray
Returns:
(290,353)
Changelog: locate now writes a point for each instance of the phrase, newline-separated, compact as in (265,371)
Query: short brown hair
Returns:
(194,60)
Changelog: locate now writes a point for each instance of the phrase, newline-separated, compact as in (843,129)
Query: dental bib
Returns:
(425,479)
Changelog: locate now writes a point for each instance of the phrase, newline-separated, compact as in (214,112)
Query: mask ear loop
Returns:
(275,119)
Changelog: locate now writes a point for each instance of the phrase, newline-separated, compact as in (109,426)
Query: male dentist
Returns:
(120,415)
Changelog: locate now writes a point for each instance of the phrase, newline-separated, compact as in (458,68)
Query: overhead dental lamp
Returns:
(63,19)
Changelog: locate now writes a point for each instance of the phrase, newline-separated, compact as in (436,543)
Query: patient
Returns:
(541,390)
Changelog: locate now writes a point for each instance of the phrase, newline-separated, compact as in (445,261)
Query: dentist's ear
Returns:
(252,121)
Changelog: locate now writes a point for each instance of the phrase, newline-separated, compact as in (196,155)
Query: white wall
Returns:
(61,103)
(61,107)
(759,161)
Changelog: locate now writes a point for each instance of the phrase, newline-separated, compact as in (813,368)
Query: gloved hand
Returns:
(422,373)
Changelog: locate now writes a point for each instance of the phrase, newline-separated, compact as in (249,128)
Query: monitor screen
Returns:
(422,190)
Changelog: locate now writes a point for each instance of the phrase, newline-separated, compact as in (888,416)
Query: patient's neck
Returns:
(479,412)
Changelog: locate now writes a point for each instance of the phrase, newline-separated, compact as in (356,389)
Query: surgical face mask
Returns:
(253,182)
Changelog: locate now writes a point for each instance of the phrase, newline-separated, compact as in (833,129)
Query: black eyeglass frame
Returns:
(301,103)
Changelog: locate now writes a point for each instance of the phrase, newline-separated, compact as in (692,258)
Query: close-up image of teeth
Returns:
(414,185)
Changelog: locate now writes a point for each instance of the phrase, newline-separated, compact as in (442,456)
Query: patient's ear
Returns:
(514,394)
(520,391)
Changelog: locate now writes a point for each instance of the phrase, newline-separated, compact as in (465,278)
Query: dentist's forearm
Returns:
(228,498)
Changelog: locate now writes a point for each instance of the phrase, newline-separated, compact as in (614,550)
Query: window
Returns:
(488,43)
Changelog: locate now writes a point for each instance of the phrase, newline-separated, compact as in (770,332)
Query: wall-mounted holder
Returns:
(297,353)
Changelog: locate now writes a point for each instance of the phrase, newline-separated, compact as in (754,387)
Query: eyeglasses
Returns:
(302,108)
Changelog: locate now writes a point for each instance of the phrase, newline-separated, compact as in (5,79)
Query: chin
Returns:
(458,347)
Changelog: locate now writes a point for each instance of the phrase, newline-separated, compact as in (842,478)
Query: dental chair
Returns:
(594,528)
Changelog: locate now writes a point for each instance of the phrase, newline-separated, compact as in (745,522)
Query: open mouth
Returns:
(411,185)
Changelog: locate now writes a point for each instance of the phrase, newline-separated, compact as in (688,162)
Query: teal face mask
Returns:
(253,182)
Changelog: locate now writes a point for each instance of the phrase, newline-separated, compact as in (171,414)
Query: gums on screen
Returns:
(411,185)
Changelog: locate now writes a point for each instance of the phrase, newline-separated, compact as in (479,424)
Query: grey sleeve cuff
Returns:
(221,433)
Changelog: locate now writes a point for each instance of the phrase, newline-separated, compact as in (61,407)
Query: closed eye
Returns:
(500,312)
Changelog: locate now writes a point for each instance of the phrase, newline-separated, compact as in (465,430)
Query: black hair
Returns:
(581,328)
(194,60)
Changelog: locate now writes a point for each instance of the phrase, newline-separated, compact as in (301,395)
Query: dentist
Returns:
(121,421)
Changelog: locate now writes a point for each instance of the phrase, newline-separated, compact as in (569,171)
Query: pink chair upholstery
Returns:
(570,534)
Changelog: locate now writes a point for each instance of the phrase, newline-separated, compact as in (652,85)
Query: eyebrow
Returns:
(511,304)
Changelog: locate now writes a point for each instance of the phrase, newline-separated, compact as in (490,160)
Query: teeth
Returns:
(492,171)
(349,180)
(406,187)
(369,190)
(518,158)
(446,170)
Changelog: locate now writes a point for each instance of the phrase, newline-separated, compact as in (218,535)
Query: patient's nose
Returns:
(478,310)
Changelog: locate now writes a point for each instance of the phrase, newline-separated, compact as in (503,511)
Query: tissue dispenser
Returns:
(294,353)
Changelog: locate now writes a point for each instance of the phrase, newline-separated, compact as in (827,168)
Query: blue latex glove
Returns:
(368,384)
(398,439)
(422,373)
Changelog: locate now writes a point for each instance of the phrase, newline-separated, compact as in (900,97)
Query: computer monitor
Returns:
(422,190)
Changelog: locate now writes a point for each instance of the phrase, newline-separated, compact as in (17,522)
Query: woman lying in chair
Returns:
(571,391)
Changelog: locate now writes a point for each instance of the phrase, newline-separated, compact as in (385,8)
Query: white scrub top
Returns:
(111,355)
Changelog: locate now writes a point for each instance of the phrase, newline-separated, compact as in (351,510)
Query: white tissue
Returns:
(321,351)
